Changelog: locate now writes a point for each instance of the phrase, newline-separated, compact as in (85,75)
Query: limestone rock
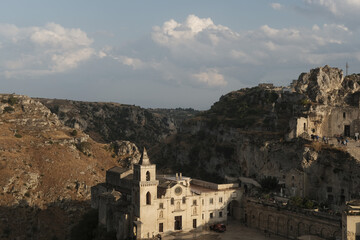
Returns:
(320,84)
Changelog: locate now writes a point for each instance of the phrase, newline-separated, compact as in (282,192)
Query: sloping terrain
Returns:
(107,122)
(46,171)
(245,133)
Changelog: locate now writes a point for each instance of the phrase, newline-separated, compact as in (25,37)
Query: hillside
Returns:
(266,131)
(46,170)
(107,122)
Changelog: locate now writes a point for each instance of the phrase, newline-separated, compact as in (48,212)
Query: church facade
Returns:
(139,203)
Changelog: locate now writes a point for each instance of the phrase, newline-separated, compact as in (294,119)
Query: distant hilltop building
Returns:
(138,203)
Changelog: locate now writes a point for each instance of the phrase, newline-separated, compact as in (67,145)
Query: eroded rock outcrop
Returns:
(46,170)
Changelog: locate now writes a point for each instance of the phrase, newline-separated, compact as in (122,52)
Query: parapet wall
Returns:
(214,185)
(291,224)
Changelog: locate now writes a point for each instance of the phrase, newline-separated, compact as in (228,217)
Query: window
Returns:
(194,223)
(344,115)
(329,189)
(211,200)
(202,216)
(220,199)
(202,201)
(342,191)
(194,202)
(147,176)
(161,205)
(194,211)
(184,200)
(292,177)
(304,126)
(220,214)
(211,215)
(161,214)
(148,198)
(161,227)
(172,201)
(178,205)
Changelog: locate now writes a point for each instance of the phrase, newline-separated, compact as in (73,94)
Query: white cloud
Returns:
(276,6)
(211,77)
(339,8)
(42,50)
(184,49)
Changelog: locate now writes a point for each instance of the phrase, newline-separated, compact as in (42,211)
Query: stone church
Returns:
(141,204)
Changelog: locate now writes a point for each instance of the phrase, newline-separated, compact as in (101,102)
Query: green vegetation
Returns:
(242,109)
(84,147)
(73,133)
(301,202)
(86,228)
(269,183)
(17,135)
(11,100)
(305,101)
(9,109)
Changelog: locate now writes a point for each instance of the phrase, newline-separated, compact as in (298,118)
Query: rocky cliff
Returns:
(107,122)
(47,169)
(245,134)
(328,86)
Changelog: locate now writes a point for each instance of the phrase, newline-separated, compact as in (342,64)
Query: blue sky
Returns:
(169,53)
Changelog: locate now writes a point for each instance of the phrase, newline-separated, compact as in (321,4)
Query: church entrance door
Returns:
(178,222)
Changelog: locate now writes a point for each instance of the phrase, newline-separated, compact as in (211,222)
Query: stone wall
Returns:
(351,227)
(290,224)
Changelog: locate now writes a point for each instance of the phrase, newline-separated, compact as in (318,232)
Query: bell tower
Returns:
(144,193)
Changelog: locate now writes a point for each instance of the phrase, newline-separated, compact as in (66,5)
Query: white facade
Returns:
(167,203)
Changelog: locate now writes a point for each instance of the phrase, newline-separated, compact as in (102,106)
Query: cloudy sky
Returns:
(168,54)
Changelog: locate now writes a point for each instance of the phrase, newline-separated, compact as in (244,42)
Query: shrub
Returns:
(73,133)
(86,228)
(17,135)
(12,100)
(269,183)
(9,109)
(301,202)
(84,147)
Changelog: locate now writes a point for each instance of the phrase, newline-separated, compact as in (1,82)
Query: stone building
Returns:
(327,121)
(140,203)
(351,221)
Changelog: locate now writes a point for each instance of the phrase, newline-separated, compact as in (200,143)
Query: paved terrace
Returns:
(235,230)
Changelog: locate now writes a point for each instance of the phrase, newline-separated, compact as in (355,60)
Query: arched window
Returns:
(177,205)
(172,201)
(147,176)
(148,198)
(161,214)
(184,200)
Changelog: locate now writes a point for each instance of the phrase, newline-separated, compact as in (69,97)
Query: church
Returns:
(140,204)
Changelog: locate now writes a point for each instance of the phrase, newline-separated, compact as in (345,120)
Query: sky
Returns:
(169,54)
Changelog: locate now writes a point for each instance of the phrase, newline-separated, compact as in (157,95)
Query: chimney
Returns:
(176,176)
(180,176)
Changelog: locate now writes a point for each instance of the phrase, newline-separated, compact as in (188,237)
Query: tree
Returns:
(269,183)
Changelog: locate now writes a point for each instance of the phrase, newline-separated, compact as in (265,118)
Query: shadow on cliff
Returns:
(58,220)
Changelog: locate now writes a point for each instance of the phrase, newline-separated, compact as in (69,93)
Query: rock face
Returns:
(246,133)
(46,170)
(126,152)
(107,122)
(326,85)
